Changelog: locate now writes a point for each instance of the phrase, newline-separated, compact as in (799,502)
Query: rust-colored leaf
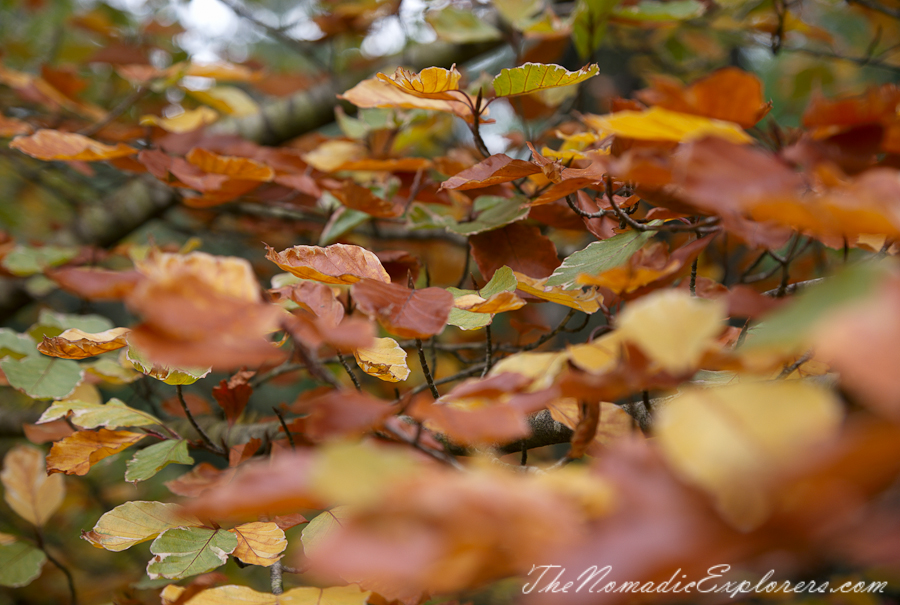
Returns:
(342,414)
(404,312)
(499,168)
(361,198)
(520,247)
(335,264)
(233,395)
(76,454)
(76,344)
(95,284)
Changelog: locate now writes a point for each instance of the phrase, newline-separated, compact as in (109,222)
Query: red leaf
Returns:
(520,247)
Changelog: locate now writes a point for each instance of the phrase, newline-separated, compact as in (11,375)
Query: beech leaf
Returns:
(76,344)
(43,377)
(385,359)
(336,264)
(259,543)
(532,77)
(150,460)
(135,522)
(189,551)
(77,453)
(28,489)
(598,257)
(112,415)
(306,595)
(55,145)
(20,562)
(404,312)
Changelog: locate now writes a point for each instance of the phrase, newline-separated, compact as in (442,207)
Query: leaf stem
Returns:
(217,449)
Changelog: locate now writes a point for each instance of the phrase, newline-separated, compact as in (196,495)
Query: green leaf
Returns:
(344,220)
(495,212)
(153,459)
(317,529)
(135,522)
(790,326)
(532,77)
(25,260)
(20,562)
(53,324)
(503,281)
(15,345)
(461,26)
(112,415)
(43,377)
(648,10)
(111,371)
(518,13)
(598,257)
(173,376)
(183,552)
(589,21)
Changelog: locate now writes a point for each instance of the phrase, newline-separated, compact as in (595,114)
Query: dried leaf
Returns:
(259,543)
(658,124)
(520,247)
(385,359)
(588,300)
(187,121)
(430,83)
(76,344)
(335,264)
(376,93)
(498,168)
(343,414)
(55,145)
(76,454)
(28,490)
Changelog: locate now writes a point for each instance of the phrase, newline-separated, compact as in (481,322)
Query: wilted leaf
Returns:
(335,264)
(532,77)
(385,359)
(430,83)
(55,145)
(20,562)
(75,344)
(588,300)
(28,490)
(76,454)
(733,441)
(135,522)
(598,257)
(498,168)
(404,312)
(43,377)
(183,552)
(672,327)
(658,124)
(150,460)
(259,543)
(112,415)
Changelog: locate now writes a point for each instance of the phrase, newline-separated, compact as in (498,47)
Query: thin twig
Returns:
(73,595)
(350,372)
(694,278)
(428,377)
(488,352)
(284,426)
(209,443)
(863,61)
(788,370)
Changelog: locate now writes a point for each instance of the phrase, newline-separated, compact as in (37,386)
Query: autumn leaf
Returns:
(43,377)
(76,454)
(321,526)
(233,167)
(377,93)
(658,124)
(430,83)
(112,415)
(95,284)
(232,395)
(76,344)
(404,312)
(503,281)
(243,595)
(385,359)
(587,300)
(55,145)
(342,414)
(532,77)
(28,489)
(335,264)
(498,168)
(182,552)
(520,247)
(135,522)
(186,121)
(259,543)
(150,460)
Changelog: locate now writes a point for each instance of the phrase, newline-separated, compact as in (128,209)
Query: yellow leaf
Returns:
(77,453)
(259,543)
(186,121)
(542,367)
(376,93)
(734,440)
(75,344)
(135,522)
(229,100)
(672,327)
(430,83)
(307,595)
(587,301)
(599,355)
(227,275)
(29,491)
(385,359)
(498,303)
(658,124)
(331,155)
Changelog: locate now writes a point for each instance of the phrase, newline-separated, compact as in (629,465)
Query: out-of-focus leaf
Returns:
(385,360)
(51,323)
(532,77)
(186,121)
(16,345)
(589,22)
(232,395)
(76,344)
(26,260)
(404,312)
(55,145)
(375,93)
(229,100)
(135,522)
(658,124)
(338,414)
(672,327)
(654,11)
(306,595)
(28,490)
(76,454)
(733,440)
(183,552)
(259,543)
(494,212)
(460,26)
(20,562)
(319,528)
(335,264)
(150,460)
(518,13)
(95,284)
(43,377)
(598,257)
(343,221)
(112,415)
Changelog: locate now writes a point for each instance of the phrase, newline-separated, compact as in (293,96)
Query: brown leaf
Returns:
(404,312)
(47,431)
(520,247)
(75,344)
(95,284)
(342,414)
(399,264)
(335,264)
(232,395)
(319,299)
(499,168)
(76,454)
(55,145)
(361,198)
(289,521)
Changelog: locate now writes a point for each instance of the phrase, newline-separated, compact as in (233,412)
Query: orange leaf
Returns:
(335,264)
(376,93)
(76,454)
(430,83)
(259,543)
(499,168)
(75,344)
(404,312)
(232,167)
(360,198)
(55,145)
(95,284)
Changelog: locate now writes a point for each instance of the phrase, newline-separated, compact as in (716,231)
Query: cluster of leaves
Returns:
(660,335)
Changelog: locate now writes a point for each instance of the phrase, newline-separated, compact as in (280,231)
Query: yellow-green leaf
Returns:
(532,77)
(153,459)
(112,415)
(188,551)
(135,522)
(20,561)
